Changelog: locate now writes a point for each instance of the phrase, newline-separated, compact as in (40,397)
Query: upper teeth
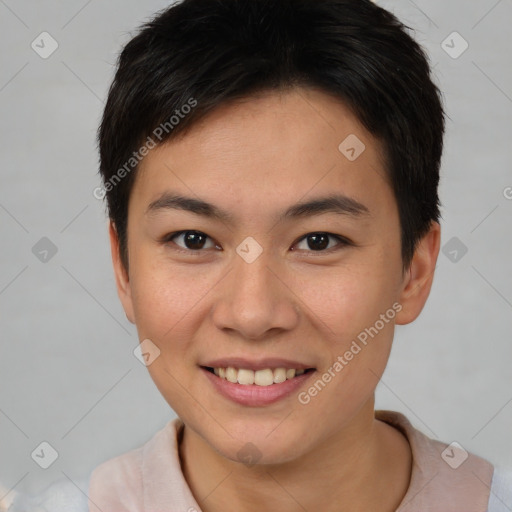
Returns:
(264,377)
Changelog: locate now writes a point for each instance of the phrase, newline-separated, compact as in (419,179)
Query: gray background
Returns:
(68,373)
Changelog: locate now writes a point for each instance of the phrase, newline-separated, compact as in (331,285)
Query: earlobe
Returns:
(121,275)
(420,275)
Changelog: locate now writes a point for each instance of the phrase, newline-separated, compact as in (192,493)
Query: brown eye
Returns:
(320,241)
(191,240)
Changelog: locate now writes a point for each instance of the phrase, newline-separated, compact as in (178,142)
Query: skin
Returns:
(254,159)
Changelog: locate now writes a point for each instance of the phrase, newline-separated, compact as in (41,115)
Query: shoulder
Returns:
(500,499)
(125,483)
(441,472)
(118,481)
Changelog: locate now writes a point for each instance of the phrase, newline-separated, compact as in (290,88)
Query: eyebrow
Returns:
(334,203)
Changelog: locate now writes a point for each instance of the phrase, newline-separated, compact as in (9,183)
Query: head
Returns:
(271,173)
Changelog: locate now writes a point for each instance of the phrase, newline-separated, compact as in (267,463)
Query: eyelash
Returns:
(343,242)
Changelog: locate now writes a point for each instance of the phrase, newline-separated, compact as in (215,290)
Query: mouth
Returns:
(256,388)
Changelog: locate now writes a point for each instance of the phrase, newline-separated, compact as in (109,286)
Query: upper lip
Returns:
(260,364)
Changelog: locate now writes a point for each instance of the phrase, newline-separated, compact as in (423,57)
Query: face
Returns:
(256,243)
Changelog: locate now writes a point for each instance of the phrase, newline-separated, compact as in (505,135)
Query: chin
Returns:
(262,452)
(260,444)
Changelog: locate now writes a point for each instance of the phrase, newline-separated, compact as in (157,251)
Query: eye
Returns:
(318,242)
(191,240)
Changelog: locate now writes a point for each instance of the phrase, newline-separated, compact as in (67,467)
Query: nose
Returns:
(255,300)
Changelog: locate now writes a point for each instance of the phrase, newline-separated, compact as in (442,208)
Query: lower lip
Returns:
(254,395)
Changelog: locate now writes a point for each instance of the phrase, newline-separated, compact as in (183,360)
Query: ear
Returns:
(122,278)
(420,275)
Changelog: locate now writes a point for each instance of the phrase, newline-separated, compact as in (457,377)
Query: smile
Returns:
(256,388)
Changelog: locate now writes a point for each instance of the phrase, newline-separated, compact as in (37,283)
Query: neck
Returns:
(364,466)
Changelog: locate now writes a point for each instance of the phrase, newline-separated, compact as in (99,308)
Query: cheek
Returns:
(164,299)
(343,303)
(353,310)
(167,303)
(355,316)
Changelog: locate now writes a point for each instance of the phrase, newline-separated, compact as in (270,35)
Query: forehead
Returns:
(267,151)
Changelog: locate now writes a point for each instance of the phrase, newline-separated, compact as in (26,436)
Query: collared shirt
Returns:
(444,478)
